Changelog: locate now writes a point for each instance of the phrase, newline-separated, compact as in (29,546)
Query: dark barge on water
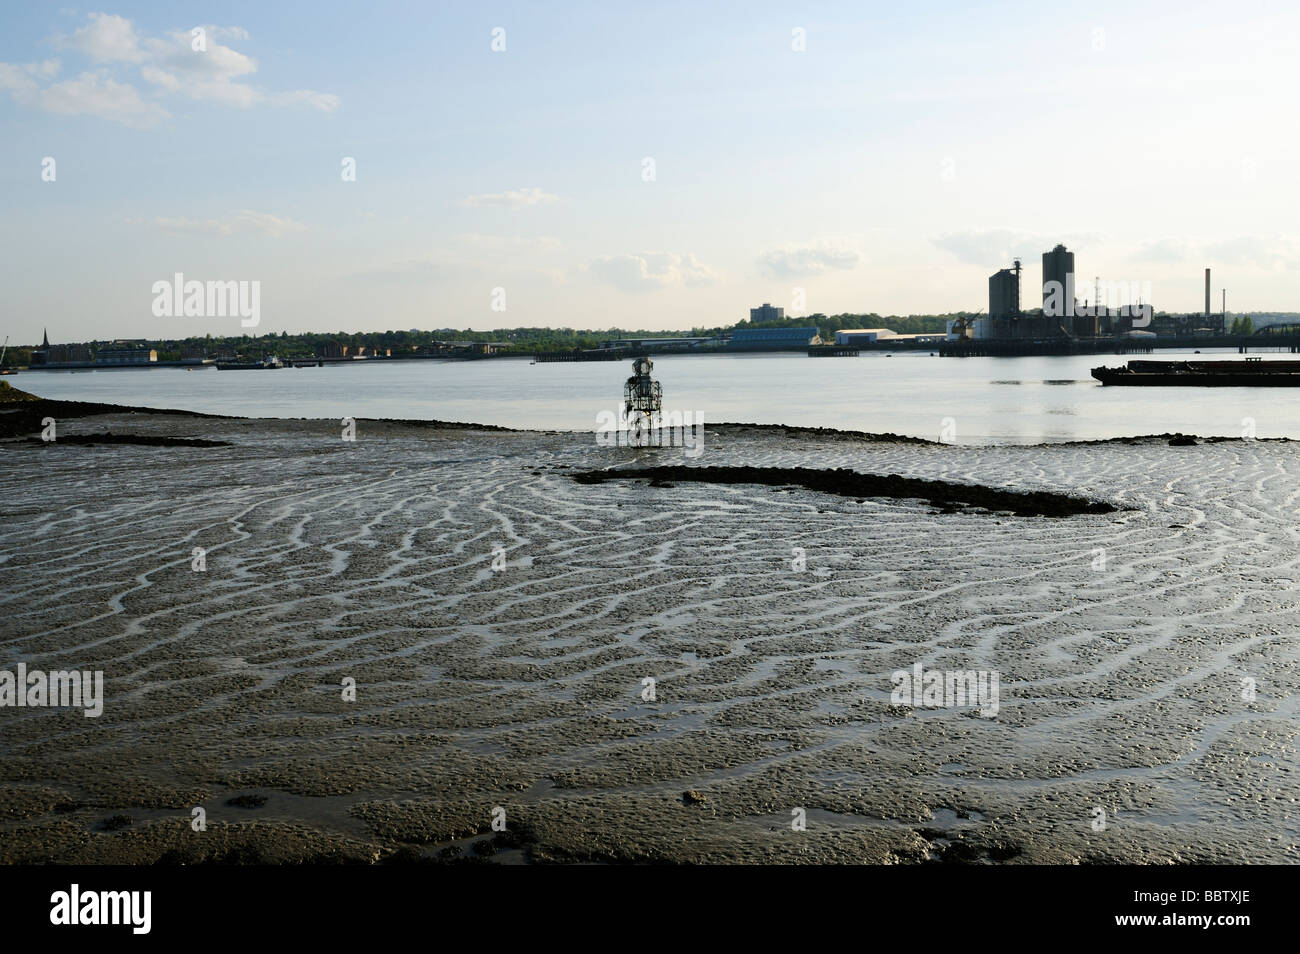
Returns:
(1250,373)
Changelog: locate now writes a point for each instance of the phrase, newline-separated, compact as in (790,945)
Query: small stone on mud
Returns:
(692,797)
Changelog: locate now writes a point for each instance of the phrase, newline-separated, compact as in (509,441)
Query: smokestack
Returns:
(1207,293)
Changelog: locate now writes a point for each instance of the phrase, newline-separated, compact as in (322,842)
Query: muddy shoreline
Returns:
(498,621)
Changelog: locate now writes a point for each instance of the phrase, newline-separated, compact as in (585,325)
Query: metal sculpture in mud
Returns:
(643,400)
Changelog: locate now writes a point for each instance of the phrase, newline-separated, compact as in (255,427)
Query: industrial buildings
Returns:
(851,336)
(115,354)
(1063,316)
(1004,292)
(854,337)
(1058,283)
(119,357)
(659,343)
(760,339)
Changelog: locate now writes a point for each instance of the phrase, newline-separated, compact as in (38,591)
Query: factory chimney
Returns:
(1207,293)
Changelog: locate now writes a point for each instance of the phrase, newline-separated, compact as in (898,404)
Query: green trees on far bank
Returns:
(520,340)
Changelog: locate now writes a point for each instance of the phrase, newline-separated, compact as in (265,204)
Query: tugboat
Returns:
(1250,373)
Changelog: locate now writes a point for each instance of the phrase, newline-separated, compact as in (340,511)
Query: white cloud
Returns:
(696,274)
(651,271)
(167,63)
(95,94)
(215,73)
(106,39)
(20,79)
(794,261)
(210,74)
(243,220)
(515,198)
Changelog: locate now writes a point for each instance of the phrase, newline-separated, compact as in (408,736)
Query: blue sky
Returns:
(893,164)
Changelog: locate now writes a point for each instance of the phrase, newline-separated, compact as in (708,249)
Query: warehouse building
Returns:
(119,357)
(771,339)
(850,336)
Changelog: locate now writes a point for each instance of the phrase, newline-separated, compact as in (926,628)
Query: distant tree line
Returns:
(407,343)
(527,340)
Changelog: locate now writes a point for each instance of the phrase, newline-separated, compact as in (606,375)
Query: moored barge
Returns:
(1250,373)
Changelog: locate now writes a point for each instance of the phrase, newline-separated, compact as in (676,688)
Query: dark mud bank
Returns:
(947,497)
(822,433)
(21,418)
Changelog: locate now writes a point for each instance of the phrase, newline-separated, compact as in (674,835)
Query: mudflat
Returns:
(374,650)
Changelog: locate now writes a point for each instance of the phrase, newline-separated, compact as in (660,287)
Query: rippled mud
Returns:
(498,624)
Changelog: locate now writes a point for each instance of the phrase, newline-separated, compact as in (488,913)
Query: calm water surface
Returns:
(990,400)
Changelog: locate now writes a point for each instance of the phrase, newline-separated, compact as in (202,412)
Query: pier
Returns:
(1024,347)
(601,354)
(1028,347)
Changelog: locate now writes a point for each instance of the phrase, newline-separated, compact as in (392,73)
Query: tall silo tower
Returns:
(1058,266)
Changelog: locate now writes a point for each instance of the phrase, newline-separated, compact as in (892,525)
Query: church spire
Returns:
(46,343)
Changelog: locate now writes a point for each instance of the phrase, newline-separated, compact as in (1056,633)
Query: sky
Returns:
(636,165)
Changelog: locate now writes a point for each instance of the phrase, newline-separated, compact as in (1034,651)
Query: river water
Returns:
(971,400)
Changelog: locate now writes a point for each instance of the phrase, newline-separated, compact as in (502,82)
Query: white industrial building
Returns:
(861,335)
